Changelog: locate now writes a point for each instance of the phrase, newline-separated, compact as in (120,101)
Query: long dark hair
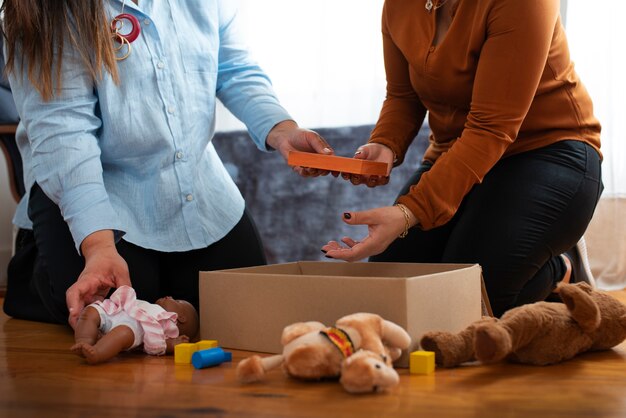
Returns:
(36,32)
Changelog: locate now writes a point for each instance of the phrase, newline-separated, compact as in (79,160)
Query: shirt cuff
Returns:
(265,117)
(87,209)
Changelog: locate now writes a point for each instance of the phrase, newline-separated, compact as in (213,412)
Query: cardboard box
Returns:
(247,308)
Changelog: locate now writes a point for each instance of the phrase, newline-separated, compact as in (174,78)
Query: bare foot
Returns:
(87,351)
(78,349)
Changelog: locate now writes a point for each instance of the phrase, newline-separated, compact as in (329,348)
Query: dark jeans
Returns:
(46,264)
(529,209)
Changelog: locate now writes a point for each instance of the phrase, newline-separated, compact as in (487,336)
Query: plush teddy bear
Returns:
(360,348)
(540,333)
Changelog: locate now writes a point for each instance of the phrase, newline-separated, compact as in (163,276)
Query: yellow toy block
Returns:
(183,352)
(206,344)
(422,362)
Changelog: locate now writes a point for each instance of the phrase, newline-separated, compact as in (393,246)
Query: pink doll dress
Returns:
(150,323)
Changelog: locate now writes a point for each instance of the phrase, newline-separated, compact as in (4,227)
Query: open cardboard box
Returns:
(247,308)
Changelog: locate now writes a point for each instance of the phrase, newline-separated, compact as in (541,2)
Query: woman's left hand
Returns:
(287,136)
(384,225)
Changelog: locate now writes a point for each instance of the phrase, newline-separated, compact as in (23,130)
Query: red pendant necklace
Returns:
(124,38)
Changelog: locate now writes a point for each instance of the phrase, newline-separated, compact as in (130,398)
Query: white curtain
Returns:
(324,58)
(597,37)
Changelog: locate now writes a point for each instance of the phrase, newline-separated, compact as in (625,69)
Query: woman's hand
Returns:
(372,152)
(384,225)
(287,136)
(104,269)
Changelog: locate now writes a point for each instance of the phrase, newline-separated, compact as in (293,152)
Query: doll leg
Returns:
(86,331)
(111,344)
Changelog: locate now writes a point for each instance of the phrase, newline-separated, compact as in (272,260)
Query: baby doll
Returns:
(122,322)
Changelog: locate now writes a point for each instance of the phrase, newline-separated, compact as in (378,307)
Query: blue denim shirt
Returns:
(137,157)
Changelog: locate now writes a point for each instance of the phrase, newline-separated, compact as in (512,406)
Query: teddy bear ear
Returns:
(585,286)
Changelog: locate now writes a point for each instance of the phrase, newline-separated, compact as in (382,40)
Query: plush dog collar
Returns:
(340,339)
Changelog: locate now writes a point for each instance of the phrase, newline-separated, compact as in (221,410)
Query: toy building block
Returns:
(211,357)
(422,362)
(183,352)
(335,163)
(206,344)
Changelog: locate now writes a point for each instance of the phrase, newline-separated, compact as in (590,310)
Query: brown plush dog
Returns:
(540,333)
(360,348)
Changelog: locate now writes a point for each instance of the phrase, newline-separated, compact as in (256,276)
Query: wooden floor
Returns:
(39,377)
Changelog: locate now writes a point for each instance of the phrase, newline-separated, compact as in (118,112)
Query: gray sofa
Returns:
(295,216)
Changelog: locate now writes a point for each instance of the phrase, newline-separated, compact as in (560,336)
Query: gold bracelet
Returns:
(407,220)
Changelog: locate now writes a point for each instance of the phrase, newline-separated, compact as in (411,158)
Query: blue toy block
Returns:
(211,357)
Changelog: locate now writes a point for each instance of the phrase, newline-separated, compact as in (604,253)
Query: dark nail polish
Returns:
(346,215)
(324,251)
(327,256)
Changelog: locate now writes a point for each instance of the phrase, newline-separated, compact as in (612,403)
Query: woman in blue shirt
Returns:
(117,104)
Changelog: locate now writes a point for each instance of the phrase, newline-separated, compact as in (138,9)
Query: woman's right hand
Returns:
(104,269)
(372,152)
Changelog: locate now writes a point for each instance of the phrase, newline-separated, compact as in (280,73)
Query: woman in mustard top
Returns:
(511,177)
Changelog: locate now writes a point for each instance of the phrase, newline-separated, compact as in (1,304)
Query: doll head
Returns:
(188,322)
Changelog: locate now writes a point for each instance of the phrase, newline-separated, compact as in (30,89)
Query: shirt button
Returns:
(160,65)
(189,197)
(171,110)
(432,48)
(179,155)
(146,22)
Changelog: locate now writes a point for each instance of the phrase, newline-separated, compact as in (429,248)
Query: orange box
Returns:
(335,163)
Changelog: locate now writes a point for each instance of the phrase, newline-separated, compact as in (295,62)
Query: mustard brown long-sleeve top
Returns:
(499,83)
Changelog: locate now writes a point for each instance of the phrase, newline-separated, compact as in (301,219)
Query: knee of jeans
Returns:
(56,304)
(502,295)
(500,306)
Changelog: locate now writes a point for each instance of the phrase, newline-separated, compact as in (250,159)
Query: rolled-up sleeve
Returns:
(242,86)
(64,147)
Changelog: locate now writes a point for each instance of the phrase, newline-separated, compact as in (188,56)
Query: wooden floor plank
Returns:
(39,377)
